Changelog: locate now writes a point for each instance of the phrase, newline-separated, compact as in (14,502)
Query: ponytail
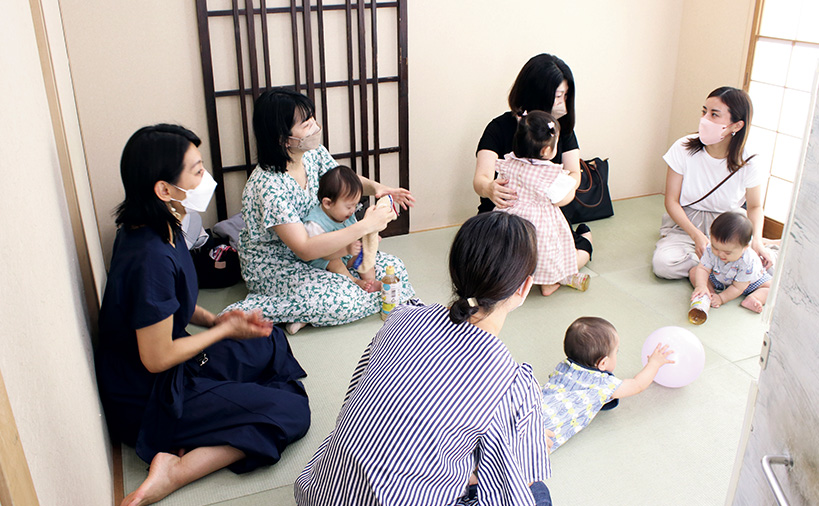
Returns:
(491,256)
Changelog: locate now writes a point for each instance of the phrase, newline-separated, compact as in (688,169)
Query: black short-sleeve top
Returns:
(497,137)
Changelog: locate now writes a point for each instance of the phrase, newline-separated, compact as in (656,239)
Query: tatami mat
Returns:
(664,446)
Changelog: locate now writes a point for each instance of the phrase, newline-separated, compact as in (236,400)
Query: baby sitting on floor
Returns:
(729,268)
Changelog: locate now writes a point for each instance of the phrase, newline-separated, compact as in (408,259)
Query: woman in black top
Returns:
(545,83)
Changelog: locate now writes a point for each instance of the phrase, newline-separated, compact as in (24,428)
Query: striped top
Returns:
(429,403)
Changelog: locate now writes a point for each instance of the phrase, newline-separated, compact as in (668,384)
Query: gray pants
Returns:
(675,253)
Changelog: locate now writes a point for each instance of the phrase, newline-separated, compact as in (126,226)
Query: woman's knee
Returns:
(671,263)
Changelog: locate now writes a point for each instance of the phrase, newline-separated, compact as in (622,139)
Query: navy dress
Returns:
(245,395)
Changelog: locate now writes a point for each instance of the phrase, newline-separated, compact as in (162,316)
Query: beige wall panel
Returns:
(133,64)
(622,55)
(713,48)
(46,357)
(634,96)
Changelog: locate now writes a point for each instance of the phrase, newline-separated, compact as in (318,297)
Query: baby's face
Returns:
(342,208)
(727,252)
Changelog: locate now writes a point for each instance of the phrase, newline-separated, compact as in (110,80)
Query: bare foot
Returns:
(366,285)
(752,303)
(157,485)
(375,286)
(547,290)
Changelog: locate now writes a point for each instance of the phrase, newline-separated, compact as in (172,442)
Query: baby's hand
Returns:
(660,355)
(716,300)
(354,248)
(699,291)
(550,439)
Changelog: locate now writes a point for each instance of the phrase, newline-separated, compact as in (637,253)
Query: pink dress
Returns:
(540,183)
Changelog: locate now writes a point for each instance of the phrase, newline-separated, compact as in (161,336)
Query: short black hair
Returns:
(491,256)
(339,182)
(274,114)
(732,228)
(536,85)
(536,131)
(153,153)
(589,340)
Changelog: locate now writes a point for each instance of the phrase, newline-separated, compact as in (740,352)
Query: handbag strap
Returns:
(712,189)
(591,168)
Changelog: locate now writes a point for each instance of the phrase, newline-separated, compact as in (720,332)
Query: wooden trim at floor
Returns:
(772,229)
(16,486)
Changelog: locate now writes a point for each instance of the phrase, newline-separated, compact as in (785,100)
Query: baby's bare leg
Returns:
(338,267)
(755,300)
(375,285)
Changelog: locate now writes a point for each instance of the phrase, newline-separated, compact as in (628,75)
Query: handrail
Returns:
(767,462)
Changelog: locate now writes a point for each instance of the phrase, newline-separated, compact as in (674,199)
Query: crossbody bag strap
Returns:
(713,189)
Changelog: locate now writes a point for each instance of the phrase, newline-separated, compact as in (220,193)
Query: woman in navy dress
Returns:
(190,405)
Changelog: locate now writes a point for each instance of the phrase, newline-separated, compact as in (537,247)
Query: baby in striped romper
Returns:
(584,383)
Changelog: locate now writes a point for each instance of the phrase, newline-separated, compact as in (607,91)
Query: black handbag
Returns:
(592,200)
(216,263)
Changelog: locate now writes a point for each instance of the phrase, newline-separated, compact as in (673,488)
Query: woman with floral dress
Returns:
(274,246)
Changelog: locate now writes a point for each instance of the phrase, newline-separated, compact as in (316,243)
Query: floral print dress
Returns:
(283,286)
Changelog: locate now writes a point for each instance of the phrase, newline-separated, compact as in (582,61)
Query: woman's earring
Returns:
(175,212)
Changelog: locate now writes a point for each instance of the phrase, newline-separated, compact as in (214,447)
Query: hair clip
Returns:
(524,113)
(472,301)
(551,125)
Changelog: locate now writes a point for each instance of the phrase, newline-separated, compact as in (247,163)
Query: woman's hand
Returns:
(700,243)
(241,325)
(485,184)
(376,218)
(764,254)
(354,248)
(500,194)
(400,196)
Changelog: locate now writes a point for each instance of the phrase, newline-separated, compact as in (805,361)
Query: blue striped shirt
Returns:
(429,403)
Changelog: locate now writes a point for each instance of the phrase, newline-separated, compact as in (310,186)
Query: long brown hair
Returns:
(741,109)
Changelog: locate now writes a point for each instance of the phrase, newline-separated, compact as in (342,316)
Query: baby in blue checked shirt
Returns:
(729,267)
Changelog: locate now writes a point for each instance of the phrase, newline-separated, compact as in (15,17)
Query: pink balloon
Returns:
(688,356)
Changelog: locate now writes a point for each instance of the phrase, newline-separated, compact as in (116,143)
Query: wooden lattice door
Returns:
(350,58)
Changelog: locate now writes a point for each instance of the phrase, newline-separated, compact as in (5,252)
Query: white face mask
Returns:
(309,141)
(198,198)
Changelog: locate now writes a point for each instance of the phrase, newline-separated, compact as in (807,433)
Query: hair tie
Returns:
(524,113)
(472,301)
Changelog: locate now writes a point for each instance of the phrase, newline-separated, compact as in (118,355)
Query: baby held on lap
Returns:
(339,193)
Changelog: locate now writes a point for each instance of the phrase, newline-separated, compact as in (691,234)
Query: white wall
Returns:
(713,51)
(622,57)
(46,357)
(133,64)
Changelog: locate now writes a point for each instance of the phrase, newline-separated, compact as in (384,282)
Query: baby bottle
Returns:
(698,311)
(390,292)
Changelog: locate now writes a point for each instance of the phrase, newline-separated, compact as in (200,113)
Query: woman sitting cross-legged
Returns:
(437,409)
(190,404)
(275,247)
